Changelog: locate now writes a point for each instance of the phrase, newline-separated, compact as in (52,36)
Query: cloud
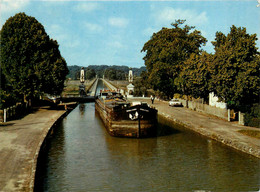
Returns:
(168,15)
(118,22)
(66,40)
(12,5)
(93,27)
(86,7)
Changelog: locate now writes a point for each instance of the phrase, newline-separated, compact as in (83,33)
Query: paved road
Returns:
(209,126)
(20,141)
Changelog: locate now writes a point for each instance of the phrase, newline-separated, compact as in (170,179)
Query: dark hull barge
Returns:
(123,119)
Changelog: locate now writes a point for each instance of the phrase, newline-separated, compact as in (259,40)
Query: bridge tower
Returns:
(130,87)
(82,91)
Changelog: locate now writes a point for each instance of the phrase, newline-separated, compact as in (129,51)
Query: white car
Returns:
(175,103)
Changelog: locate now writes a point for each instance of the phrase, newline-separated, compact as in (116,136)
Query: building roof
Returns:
(130,85)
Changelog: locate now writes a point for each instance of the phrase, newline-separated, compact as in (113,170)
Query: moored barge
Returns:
(126,119)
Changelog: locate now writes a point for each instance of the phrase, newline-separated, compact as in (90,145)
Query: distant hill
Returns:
(74,70)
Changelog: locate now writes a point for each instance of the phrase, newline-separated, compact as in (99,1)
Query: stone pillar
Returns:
(241,118)
(228,114)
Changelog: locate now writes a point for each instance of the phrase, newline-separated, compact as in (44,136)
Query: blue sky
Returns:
(114,32)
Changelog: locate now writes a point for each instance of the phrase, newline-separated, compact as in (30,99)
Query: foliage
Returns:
(114,74)
(166,52)
(6,99)
(52,71)
(251,133)
(196,75)
(252,117)
(90,74)
(74,71)
(236,63)
(30,60)
(141,85)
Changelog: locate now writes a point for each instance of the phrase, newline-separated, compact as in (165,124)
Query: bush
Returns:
(252,117)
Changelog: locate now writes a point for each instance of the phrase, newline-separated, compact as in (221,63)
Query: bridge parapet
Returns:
(91,85)
(109,85)
(93,89)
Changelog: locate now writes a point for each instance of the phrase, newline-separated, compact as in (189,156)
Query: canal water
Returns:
(81,156)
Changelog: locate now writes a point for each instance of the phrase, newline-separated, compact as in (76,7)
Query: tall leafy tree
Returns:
(236,67)
(196,75)
(141,85)
(30,60)
(165,53)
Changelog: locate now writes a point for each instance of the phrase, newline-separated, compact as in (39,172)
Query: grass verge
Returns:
(251,133)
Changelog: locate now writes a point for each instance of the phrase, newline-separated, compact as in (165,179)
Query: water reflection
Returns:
(84,157)
(82,108)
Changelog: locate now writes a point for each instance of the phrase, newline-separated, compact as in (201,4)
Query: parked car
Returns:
(175,103)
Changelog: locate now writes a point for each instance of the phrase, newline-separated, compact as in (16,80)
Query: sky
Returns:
(114,32)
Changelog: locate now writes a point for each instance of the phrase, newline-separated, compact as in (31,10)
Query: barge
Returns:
(126,119)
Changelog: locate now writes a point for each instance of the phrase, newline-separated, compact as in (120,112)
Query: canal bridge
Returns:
(91,91)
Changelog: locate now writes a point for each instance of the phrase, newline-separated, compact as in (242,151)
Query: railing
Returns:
(13,111)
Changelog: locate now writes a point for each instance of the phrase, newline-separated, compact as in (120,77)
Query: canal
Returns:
(81,156)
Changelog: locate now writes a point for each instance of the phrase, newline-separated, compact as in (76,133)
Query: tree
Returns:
(166,52)
(6,96)
(30,60)
(114,74)
(196,75)
(90,74)
(235,77)
(52,71)
(141,85)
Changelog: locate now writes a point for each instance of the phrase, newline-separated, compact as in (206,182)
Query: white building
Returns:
(130,89)
(213,101)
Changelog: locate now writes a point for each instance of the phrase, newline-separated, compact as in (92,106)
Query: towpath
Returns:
(20,142)
(209,126)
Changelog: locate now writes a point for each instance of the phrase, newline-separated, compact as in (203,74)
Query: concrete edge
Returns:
(226,141)
(39,147)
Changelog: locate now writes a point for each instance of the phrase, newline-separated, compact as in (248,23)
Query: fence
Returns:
(200,106)
(14,111)
(205,108)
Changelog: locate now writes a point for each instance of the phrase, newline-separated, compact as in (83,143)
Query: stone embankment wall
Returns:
(204,108)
